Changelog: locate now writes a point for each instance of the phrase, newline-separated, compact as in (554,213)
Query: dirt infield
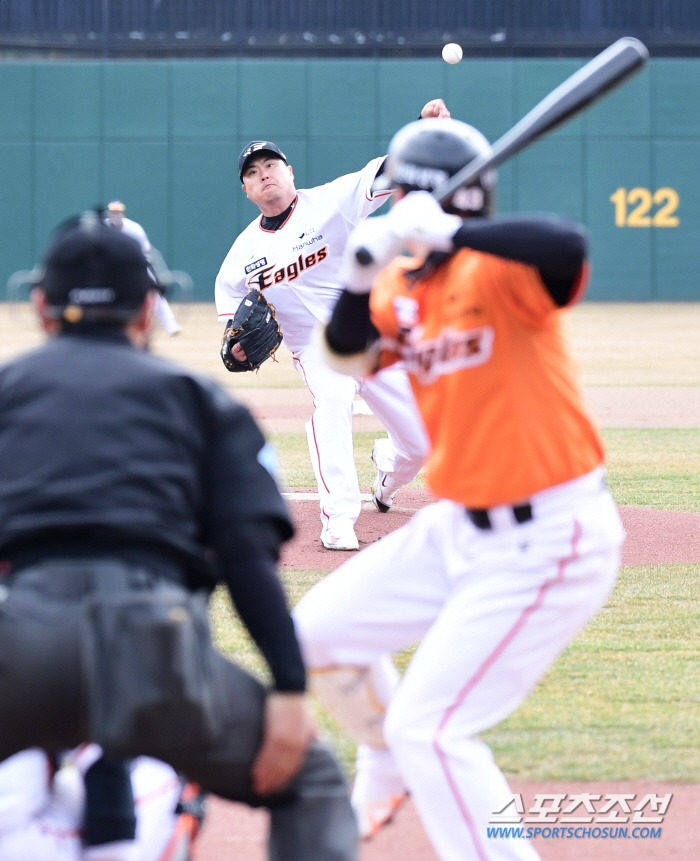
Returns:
(233,832)
(653,537)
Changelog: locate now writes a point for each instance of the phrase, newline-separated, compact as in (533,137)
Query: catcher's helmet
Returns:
(424,154)
(94,274)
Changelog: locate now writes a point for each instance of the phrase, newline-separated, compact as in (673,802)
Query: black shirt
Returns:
(105,444)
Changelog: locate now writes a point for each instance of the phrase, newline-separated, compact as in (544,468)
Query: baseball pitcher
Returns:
(292,253)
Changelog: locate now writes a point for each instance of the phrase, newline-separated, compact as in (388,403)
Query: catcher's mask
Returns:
(424,154)
(93,274)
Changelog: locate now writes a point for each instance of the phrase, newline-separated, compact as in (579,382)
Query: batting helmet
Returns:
(424,154)
(94,274)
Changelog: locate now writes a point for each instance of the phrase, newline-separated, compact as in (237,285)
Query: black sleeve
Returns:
(350,329)
(245,522)
(248,555)
(556,246)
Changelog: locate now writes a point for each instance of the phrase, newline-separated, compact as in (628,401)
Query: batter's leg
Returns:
(380,601)
(522,597)
(329,434)
(377,603)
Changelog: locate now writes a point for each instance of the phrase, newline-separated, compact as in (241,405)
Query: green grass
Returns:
(622,702)
(293,452)
(657,468)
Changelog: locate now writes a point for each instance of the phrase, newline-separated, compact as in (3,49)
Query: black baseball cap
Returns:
(93,273)
(255,148)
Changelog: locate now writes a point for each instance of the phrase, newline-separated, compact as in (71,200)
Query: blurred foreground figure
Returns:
(43,811)
(118,515)
(523,546)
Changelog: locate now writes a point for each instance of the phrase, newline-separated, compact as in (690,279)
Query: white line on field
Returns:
(310,497)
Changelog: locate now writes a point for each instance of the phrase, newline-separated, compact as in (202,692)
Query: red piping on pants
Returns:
(479,675)
(313,429)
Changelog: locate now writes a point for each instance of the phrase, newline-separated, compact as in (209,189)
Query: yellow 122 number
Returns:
(641,199)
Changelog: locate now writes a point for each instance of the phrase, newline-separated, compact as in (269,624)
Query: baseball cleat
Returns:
(372,815)
(345,539)
(383,490)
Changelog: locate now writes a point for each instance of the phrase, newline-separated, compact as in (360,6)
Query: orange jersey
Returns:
(487,352)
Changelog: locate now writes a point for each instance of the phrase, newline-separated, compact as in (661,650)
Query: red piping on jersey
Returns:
(294,206)
(313,427)
(379,194)
(479,675)
(58,832)
(170,784)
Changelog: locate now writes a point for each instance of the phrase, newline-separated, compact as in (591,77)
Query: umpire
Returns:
(128,489)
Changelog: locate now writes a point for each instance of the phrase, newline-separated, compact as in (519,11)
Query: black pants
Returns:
(43,704)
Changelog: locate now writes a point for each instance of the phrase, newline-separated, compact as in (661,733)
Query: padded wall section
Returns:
(164,137)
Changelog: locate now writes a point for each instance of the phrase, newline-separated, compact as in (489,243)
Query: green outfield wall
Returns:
(163,136)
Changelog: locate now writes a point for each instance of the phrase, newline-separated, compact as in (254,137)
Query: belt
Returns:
(480,516)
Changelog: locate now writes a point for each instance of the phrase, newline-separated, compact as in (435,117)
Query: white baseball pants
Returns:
(329,431)
(493,610)
(165,316)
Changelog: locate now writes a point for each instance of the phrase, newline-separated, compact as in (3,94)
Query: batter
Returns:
(521,549)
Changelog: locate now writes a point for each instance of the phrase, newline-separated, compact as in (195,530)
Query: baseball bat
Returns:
(600,75)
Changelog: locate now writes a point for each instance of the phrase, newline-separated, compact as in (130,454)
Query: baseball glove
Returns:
(256,329)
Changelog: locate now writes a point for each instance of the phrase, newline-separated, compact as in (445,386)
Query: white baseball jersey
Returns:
(297,265)
(164,312)
(135,231)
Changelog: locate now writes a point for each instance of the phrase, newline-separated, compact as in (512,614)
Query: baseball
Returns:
(452,53)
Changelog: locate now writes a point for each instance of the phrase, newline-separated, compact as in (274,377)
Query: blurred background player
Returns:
(523,546)
(152,453)
(43,810)
(116,218)
(293,252)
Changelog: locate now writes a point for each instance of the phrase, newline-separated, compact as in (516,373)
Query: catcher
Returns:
(252,336)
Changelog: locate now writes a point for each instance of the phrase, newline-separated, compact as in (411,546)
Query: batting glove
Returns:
(419,220)
(371,245)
